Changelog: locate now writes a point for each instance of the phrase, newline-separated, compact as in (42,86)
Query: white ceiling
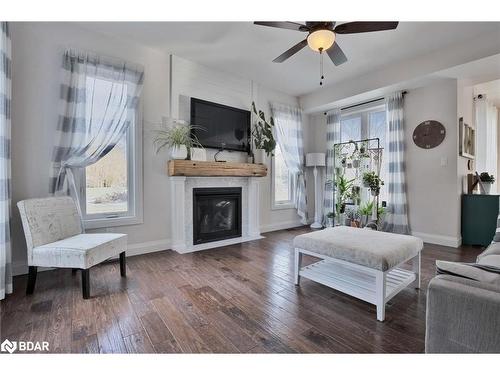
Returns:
(247,50)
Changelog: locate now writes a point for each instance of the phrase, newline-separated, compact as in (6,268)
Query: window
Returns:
(282,182)
(362,124)
(110,189)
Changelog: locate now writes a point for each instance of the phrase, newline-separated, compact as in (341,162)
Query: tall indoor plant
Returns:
(262,135)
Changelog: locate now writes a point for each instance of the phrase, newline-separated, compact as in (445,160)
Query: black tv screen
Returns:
(223,127)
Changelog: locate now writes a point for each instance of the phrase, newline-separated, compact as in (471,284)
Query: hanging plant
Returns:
(372,181)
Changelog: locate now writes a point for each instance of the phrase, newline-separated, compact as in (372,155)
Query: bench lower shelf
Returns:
(356,282)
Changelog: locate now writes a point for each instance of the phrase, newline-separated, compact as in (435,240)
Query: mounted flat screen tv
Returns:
(224,127)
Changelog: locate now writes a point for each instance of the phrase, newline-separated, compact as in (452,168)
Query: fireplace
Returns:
(216,214)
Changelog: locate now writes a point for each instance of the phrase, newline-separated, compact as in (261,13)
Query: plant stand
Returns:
(371,151)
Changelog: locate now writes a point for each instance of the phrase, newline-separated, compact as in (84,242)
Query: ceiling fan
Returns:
(322,34)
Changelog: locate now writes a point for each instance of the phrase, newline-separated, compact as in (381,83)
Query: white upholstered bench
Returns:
(360,262)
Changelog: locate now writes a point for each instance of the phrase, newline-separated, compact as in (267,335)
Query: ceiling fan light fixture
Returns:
(321,40)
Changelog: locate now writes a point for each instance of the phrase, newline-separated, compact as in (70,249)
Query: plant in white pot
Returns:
(262,134)
(372,181)
(178,137)
(486,181)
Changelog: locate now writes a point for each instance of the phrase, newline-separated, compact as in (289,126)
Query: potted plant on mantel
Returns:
(486,181)
(262,134)
(179,137)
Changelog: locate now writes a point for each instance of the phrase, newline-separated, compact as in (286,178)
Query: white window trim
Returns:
(135,215)
(281,205)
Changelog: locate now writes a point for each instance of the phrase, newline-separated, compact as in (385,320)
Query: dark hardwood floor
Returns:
(239,298)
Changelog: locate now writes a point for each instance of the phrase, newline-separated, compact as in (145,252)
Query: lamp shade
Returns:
(316,159)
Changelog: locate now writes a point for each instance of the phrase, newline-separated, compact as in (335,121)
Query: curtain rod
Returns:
(364,103)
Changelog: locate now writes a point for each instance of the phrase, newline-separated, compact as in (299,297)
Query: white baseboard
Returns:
(148,247)
(438,239)
(21,268)
(282,225)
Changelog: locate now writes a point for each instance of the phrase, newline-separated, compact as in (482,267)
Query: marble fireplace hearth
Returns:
(181,194)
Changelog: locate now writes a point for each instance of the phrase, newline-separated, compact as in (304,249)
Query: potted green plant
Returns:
(486,181)
(262,134)
(365,210)
(179,137)
(372,181)
(329,219)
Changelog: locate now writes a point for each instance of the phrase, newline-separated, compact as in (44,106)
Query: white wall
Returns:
(433,190)
(433,186)
(37,52)
(193,80)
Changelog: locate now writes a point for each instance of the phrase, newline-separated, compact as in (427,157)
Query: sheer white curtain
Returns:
(486,121)
(289,135)
(5,192)
(89,130)
(332,137)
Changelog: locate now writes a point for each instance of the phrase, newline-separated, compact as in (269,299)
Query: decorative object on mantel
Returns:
(262,135)
(485,182)
(198,154)
(179,137)
(215,169)
(429,134)
(467,140)
(316,160)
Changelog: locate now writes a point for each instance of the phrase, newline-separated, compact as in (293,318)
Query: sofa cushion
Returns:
(80,251)
(369,248)
(491,260)
(493,249)
(485,273)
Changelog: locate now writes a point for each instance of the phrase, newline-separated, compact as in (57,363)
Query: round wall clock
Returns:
(429,134)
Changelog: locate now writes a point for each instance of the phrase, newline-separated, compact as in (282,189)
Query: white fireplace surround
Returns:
(181,195)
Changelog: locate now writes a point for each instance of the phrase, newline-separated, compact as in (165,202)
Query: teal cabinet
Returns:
(479,218)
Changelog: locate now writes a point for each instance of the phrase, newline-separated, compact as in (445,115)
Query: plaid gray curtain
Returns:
(5,193)
(290,137)
(332,137)
(89,127)
(396,219)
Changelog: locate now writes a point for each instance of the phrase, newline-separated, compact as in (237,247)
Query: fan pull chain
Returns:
(321,67)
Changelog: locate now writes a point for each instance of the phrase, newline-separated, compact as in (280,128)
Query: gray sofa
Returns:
(463,306)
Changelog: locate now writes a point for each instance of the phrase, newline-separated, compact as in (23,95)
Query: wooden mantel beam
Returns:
(214,169)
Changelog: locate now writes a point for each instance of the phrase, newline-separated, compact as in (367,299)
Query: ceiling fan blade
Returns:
(364,27)
(284,25)
(292,51)
(336,54)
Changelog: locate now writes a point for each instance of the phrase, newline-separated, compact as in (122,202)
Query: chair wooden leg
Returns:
(86,284)
(123,265)
(30,288)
